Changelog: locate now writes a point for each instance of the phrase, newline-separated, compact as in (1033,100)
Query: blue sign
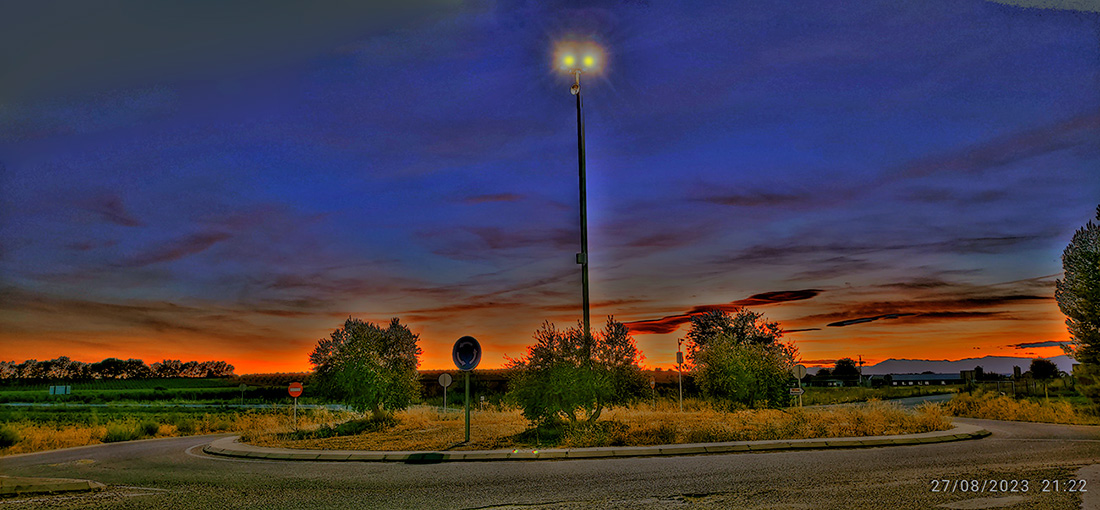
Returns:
(466,353)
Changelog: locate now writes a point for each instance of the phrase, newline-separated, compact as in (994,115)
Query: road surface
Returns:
(173,473)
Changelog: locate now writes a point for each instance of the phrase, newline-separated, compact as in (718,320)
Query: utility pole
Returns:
(861,370)
(680,368)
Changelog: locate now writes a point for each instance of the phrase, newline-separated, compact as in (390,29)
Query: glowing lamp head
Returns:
(574,55)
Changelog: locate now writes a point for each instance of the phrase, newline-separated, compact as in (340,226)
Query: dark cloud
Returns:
(925,310)
(111,210)
(757,199)
(840,257)
(671,323)
(150,315)
(785,331)
(190,245)
(1050,343)
(1083,130)
(861,320)
(495,197)
(480,243)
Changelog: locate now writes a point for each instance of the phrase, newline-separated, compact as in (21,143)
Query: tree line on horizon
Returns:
(65,369)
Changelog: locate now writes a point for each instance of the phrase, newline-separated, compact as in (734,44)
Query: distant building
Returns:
(922,379)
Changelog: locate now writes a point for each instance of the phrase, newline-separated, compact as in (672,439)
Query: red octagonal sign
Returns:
(295,389)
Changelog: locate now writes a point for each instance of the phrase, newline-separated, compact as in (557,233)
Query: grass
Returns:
(32,431)
(819,396)
(425,428)
(994,406)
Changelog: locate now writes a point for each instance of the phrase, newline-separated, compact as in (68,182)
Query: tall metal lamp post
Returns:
(574,58)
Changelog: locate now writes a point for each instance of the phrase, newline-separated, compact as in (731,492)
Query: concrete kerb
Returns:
(232,447)
(18,486)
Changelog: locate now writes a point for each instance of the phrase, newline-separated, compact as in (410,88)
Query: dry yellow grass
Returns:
(993,406)
(642,424)
(36,437)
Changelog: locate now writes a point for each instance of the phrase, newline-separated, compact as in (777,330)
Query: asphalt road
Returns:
(173,473)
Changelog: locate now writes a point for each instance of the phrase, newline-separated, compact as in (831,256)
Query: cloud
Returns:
(926,310)
(1064,5)
(829,362)
(1050,343)
(190,245)
(109,207)
(671,323)
(495,197)
(862,320)
(758,199)
(785,331)
(1005,150)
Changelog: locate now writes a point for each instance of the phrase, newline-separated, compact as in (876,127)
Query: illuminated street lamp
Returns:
(574,58)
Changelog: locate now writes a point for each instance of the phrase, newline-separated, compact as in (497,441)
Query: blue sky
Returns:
(183,182)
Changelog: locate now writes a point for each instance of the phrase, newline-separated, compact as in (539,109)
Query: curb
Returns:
(13,486)
(232,447)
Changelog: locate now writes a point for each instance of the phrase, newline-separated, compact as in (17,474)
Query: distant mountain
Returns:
(990,364)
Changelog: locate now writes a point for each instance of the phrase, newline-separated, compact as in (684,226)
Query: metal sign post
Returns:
(295,390)
(466,355)
(799,371)
(444,381)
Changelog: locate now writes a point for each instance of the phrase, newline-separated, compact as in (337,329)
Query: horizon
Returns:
(884,181)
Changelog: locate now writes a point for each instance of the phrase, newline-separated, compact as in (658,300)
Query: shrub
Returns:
(120,432)
(185,426)
(568,375)
(150,428)
(8,436)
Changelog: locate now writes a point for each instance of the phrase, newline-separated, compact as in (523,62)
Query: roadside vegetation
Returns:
(32,430)
(1072,410)
(845,395)
(427,428)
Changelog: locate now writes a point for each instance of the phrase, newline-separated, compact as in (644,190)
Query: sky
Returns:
(884,179)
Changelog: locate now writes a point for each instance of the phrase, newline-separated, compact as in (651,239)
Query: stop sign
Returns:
(295,389)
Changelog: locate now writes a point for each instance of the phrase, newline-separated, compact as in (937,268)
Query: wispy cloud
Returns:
(494,197)
(109,208)
(1029,345)
(670,323)
(177,249)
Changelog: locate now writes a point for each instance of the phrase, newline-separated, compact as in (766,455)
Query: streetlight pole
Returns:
(582,257)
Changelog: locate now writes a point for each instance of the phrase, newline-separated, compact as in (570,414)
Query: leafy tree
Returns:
(167,368)
(740,359)
(556,381)
(1044,370)
(845,368)
(1078,295)
(368,367)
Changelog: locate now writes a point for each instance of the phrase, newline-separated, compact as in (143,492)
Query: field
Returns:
(25,430)
(119,410)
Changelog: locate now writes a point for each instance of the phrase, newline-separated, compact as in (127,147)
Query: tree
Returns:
(1078,296)
(557,382)
(740,359)
(368,367)
(1044,370)
(845,368)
